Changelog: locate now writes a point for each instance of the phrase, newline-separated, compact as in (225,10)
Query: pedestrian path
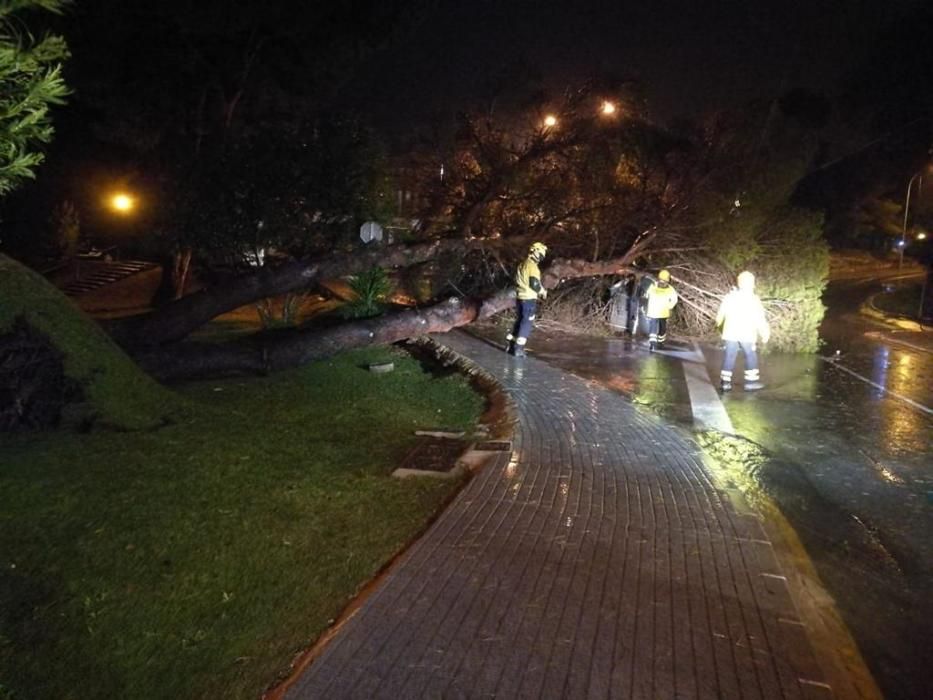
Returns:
(597,559)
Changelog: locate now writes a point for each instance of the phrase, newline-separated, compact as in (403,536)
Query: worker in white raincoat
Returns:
(742,318)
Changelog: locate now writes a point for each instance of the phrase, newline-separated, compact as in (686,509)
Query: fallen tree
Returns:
(606,198)
(268,352)
(504,187)
(178,319)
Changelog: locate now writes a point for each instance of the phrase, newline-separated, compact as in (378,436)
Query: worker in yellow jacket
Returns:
(528,289)
(660,298)
(742,317)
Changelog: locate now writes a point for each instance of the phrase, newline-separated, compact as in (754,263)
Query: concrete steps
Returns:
(104,274)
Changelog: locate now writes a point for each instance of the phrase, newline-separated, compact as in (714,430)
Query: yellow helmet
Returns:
(746,280)
(664,276)
(538,250)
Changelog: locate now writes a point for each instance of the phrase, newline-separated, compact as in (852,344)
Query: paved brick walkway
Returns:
(596,560)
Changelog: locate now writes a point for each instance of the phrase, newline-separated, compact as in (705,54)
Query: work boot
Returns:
(753,386)
(518,351)
(510,348)
(725,386)
(652,346)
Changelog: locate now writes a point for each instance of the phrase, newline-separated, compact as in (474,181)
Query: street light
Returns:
(921,236)
(550,121)
(608,108)
(122,203)
(903,242)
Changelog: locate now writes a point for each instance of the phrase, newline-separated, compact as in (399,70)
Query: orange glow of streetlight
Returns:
(921,236)
(608,108)
(550,121)
(122,203)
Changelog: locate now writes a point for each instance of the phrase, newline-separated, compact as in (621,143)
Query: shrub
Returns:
(370,289)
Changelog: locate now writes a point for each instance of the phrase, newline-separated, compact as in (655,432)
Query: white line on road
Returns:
(881,337)
(901,397)
(705,403)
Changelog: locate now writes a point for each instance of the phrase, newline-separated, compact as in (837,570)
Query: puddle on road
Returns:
(654,381)
(885,598)
(811,411)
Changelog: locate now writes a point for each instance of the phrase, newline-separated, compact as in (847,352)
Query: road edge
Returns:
(836,650)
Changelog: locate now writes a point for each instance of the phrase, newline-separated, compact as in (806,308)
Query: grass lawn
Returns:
(195,560)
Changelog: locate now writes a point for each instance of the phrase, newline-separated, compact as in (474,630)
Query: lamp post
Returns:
(122,203)
(903,241)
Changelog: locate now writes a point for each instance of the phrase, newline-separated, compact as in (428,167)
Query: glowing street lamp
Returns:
(122,203)
(550,121)
(921,236)
(903,241)
(608,108)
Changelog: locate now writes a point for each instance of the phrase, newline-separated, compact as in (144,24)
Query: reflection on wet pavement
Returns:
(849,464)
(653,380)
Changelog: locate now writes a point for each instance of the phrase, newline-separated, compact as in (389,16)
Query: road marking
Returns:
(707,407)
(901,397)
(883,338)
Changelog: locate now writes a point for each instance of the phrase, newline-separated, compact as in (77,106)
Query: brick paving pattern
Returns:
(597,559)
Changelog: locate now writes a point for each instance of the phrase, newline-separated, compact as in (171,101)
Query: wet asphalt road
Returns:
(852,469)
(850,465)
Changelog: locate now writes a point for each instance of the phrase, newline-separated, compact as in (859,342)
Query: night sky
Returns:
(433,58)
(688,55)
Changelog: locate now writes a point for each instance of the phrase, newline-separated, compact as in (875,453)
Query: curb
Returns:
(839,656)
(871,311)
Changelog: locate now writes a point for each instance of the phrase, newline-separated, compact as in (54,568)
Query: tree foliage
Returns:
(370,289)
(30,83)
(707,202)
(743,218)
(301,190)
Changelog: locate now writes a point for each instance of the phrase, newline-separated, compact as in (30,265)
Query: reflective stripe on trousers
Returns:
(524,320)
(657,330)
(751,360)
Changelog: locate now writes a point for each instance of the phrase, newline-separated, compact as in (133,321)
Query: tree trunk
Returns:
(279,350)
(182,263)
(174,321)
(175,272)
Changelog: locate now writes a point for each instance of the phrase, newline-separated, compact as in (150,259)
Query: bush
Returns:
(370,289)
(792,268)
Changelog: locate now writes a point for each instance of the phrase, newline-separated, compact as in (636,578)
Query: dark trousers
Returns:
(751,360)
(658,330)
(631,316)
(524,319)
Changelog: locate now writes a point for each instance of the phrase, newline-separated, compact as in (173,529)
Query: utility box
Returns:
(618,312)
(625,313)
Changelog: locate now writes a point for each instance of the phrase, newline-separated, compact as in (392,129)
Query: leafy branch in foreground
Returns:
(30,83)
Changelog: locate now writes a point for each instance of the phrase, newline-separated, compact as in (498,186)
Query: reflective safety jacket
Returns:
(528,280)
(742,317)
(660,300)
